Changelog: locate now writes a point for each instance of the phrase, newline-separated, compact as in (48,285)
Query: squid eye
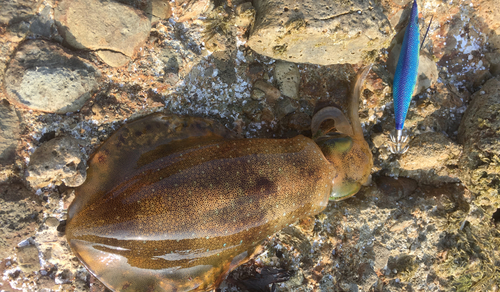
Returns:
(337,144)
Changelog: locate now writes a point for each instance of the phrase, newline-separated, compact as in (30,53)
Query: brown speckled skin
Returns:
(173,203)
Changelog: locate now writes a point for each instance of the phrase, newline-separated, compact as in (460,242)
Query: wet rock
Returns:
(252,110)
(225,67)
(44,76)
(158,10)
(288,78)
(429,150)
(102,25)
(113,59)
(19,216)
(43,24)
(56,161)
(381,256)
(489,12)
(378,140)
(27,257)
(285,106)
(171,59)
(300,122)
(319,32)
(245,14)
(271,93)
(431,158)
(52,222)
(257,94)
(64,277)
(192,9)
(9,132)
(17,9)
(494,60)
(479,132)
(394,189)
(18,29)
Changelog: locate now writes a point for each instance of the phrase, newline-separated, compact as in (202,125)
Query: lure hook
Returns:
(399,143)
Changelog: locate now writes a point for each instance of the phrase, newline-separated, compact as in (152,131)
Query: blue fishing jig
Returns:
(405,79)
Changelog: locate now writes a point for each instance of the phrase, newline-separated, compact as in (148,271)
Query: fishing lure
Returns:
(405,79)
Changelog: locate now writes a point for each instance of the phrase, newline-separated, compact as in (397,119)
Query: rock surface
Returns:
(480,134)
(42,24)
(20,216)
(44,76)
(319,32)
(9,132)
(17,9)
(56,161)
(432,158)
(415,228)
(27,257)
(102,25)
(113,59)
(158,10)
(288,78)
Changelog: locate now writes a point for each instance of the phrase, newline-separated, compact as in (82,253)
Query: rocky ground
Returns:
(72,72)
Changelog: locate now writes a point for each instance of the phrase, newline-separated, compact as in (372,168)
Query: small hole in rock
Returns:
(496,216)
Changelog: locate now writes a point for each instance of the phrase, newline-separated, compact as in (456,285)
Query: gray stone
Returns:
(102,25)
(429,150)
(381,256)
(44,76)
(288,78)
(27,257)
(245,14)
(56,161)
(43,24)
(479,132)
(271,93)
(113,59)
(319,32)
(9,132)
(172,60)
(52,222)
(428,158)
(17,9)
(285,106)
(257,94)
(19,216)
(378,140)
(158,10)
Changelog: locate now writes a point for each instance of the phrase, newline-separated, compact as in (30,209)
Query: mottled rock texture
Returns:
(19,216)
(56,161)
(44,76)
(102,25)
(9,132)
(288,78)
(319,32)
(10,10)
(431,159)
(480,134)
